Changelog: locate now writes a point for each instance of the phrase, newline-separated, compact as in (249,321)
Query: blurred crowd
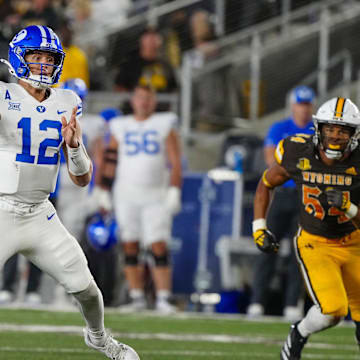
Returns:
(193,27)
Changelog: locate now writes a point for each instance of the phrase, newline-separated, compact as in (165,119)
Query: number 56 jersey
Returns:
(143,165)
(298,155)
(30,141)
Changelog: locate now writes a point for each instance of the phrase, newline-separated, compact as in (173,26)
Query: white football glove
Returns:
(101,199)
(173,200)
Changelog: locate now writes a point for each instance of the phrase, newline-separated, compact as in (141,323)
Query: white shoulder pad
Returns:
(169,118)
(116,123)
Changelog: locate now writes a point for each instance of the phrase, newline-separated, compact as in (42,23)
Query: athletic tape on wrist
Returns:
(258,224)
(79,161)
(352,211)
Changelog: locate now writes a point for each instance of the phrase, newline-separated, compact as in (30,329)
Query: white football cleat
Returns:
(6,297)
(135,305)
(112,348)
(255,310)
(33,298)
(292,313)
(164,307)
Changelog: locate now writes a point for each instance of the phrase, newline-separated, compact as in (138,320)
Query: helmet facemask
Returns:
(42,80)
(338,150)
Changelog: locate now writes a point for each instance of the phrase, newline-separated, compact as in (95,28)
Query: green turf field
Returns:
(44,335)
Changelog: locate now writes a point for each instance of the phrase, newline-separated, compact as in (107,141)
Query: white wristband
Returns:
(258,224)
(352,212)
(79,161)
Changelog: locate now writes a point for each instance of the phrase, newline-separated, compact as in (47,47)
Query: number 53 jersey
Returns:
(298,155)
(30,141)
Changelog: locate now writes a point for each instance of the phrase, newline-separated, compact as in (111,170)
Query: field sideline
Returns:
(45,335)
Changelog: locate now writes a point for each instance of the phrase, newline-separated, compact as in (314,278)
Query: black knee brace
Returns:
(131,260)
(161,260)
(357,331)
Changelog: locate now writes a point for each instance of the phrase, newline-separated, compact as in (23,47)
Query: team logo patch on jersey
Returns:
(351,171)
(298,139)
(14,106)
(304,164)
(41,108)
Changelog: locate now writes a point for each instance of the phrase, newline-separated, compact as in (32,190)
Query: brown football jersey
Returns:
(298,155)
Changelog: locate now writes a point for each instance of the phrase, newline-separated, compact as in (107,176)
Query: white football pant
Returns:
(36,232)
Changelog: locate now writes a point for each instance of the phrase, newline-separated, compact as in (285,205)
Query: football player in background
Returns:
(36,121)
(326,169)
(146,193)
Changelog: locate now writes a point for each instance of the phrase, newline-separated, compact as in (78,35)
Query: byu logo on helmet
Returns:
(19,36)
(35,38)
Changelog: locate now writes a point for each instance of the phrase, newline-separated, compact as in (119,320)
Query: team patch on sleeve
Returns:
(298,139)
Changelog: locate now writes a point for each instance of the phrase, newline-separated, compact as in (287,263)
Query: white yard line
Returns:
(220,354)
(69,307)
(172,337)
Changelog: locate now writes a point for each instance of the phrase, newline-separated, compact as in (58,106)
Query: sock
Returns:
(163,295)
(315,321)
(90,302)
(97,337)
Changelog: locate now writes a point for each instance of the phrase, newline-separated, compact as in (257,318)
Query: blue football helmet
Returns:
(102,232)
(77,85)
(40,38)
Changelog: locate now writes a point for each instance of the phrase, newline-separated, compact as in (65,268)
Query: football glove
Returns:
(100,199)
(266,241)
(338,199)
(173,200)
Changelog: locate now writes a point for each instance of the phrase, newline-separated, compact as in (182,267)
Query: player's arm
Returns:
(174,156)
(78,161)
(272,177)
(105,175)
(269,151)
(108,165)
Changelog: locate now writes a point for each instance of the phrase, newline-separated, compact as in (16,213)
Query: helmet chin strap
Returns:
(35,83)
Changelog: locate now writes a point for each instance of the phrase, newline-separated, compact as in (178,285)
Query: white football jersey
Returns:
(142,154)
(30,140)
